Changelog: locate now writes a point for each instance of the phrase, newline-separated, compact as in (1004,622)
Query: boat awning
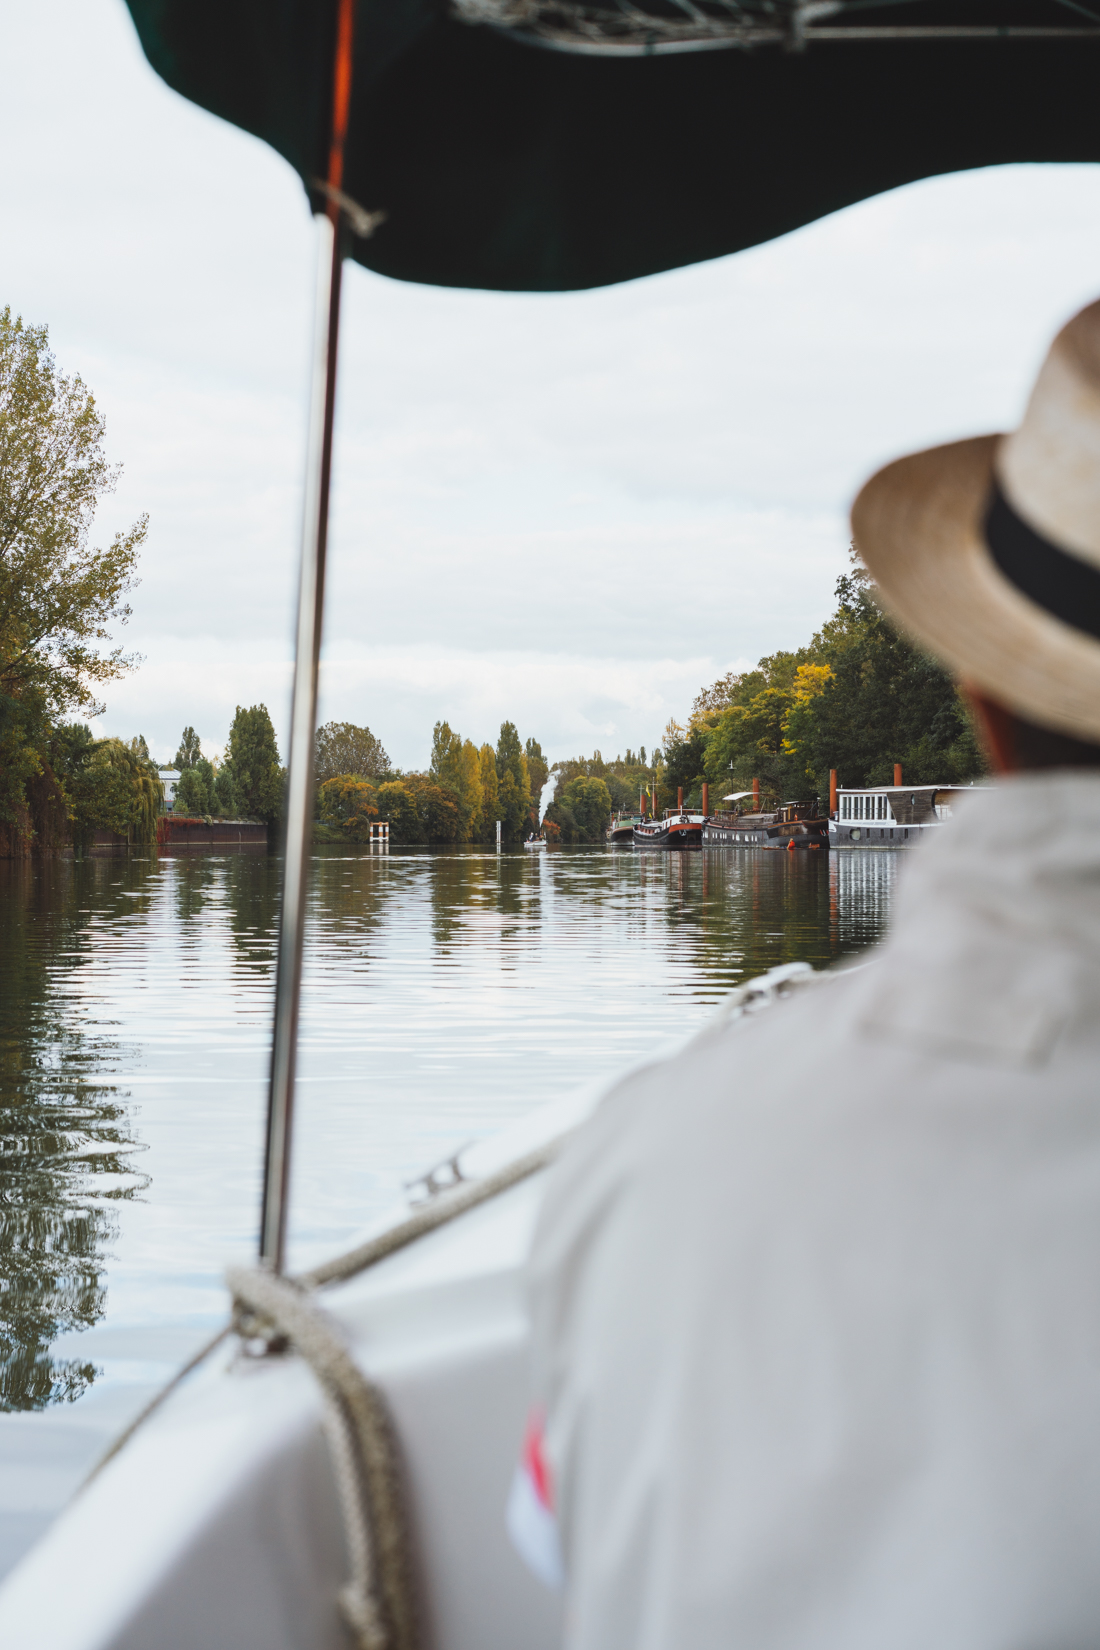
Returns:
(738,796)
(534,146)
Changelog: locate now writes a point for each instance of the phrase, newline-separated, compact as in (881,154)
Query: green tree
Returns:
(446,745)
(226,800)
(343,748)
(193,793)
(252,759)
(468,788)
(490,792)
(685,754)
(883,701)
(24,730)
(397,805)
(190,751)
(515,780)
(112,788)
(455,766)
(589,802)
(419,810)
(59,596)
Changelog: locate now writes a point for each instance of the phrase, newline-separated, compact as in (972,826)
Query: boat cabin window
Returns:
(865,807)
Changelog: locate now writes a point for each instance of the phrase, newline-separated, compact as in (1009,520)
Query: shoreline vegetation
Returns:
(857,697)
(465,790)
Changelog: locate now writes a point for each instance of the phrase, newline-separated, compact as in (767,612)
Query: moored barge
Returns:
(621,829)
(884,816)
(675,830)
(792,825)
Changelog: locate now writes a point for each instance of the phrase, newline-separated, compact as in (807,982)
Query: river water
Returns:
(446,993)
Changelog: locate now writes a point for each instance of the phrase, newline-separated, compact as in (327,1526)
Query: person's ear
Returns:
(995,728)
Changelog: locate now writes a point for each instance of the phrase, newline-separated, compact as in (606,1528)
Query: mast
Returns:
(307,652)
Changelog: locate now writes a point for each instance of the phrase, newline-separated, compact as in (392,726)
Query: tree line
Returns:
(247,783)
(464,792)
(858,697)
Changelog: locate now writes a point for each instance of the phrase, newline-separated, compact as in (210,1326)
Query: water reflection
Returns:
(64,1140)
(445,993)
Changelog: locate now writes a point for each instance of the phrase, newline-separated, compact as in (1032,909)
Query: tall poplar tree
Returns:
(515,780)
(190,750)
(490,792)
(252,759)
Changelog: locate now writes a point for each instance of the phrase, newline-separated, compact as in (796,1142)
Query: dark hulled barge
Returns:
(792,825)
(677,829)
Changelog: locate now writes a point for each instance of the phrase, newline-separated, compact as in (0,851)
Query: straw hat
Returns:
(988,551)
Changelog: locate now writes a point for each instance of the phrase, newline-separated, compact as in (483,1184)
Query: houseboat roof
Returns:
(901,790)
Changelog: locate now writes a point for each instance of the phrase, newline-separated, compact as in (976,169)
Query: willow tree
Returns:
(114,787)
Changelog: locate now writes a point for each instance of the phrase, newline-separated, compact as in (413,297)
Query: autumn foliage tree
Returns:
(348,804)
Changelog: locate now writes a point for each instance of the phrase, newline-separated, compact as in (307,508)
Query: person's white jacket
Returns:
(817,1305)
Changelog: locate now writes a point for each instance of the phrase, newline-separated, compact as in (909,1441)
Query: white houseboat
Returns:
(883,816)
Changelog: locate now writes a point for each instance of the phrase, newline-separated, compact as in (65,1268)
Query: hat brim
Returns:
(918,525)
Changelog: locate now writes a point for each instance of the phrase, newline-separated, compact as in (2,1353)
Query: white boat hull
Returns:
(218,1523)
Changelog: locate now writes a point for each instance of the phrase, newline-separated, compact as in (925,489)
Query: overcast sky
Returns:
(571,511)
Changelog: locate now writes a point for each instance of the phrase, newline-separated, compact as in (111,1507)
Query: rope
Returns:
(377,1602)
(428,1217)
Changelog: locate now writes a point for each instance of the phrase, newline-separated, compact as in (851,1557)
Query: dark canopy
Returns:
(503,164)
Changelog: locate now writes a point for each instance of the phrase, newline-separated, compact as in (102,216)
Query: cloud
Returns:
(572,703)
(570,510)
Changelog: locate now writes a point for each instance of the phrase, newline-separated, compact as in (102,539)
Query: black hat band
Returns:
(1063,584)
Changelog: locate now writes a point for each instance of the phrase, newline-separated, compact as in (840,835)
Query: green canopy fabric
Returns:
(505,165)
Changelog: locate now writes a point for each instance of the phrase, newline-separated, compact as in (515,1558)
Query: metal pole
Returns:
(303,719)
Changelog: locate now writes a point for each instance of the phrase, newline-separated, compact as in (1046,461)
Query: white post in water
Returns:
(498,836)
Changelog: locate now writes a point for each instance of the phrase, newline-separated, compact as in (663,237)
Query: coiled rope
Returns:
(377,1601)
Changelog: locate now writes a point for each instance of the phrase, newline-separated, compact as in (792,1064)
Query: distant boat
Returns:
(675,830)
(535,842)
(622,826)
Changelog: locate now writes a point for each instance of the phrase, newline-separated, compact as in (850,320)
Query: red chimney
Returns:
(832,793)
(897,773)
(679,799)
(706,798)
